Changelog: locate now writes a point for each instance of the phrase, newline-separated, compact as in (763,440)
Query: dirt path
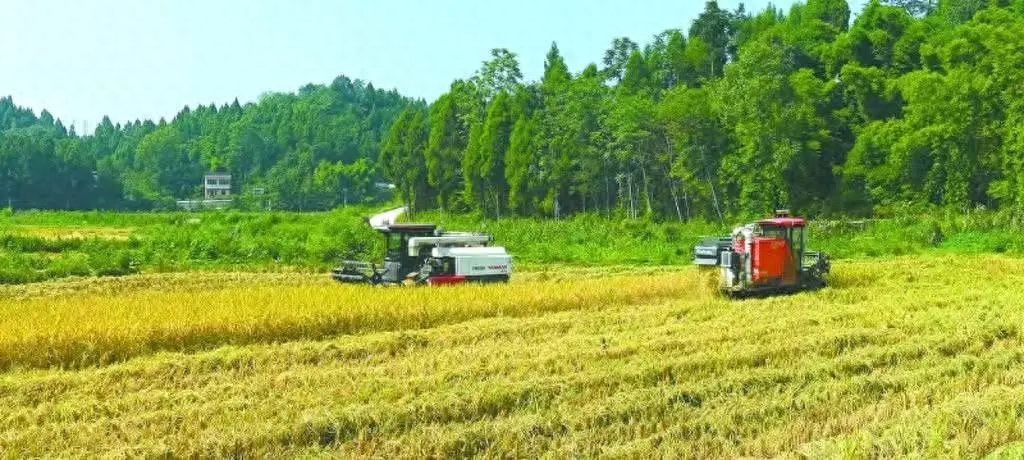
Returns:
(386,218)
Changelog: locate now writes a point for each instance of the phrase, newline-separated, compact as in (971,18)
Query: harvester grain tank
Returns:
(425,254)
(765,257)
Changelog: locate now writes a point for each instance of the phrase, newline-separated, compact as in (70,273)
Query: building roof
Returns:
(784,222)
(411,228)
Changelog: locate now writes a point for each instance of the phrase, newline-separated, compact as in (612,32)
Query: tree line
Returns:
(314,149)
(913,101)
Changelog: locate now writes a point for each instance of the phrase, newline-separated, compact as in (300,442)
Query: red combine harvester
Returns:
(765,257)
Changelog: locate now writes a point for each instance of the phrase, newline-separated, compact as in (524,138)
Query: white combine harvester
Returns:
(425,254)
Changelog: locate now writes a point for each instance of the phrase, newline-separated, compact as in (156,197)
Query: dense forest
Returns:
(909,102)
(310,150)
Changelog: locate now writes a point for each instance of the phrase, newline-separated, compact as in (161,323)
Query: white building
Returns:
(217,186)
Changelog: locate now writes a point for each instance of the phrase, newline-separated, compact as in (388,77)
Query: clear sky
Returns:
(134,59)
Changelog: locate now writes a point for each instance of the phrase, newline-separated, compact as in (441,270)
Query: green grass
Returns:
(593,240)
(36,246)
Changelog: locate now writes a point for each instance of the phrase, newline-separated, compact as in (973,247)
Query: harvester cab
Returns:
(765,257)
(424,254)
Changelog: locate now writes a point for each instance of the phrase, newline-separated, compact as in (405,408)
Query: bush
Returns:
(115,264)
(74,264)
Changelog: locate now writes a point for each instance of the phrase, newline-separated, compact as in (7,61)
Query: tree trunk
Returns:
(675,200)
(629,190)
(714,196)
(607,194)
(647,190)
(686,201)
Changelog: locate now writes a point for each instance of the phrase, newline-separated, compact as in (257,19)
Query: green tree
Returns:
(403,158)
(472,161)
(500,73)
(162,169)
(781,159)
(637,76)
(915,7)
(616,57)
(493,146)
(697,141)
(874,35)
(630,123)
(445,149)
(554,142)
(957,12)
(520,165)
(714,28)
(835,13)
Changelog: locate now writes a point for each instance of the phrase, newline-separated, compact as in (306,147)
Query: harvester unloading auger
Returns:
(425,254)
(765,257)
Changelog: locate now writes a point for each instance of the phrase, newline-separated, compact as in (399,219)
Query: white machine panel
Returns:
(478,261)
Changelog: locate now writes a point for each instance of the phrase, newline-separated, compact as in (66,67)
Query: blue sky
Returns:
(148,58)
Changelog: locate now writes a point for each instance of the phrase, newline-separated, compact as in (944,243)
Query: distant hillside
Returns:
(306,150)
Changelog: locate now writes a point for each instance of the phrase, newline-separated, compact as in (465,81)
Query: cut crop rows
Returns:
(914,356)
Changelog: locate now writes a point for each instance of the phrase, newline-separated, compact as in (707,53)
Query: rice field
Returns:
(913,356)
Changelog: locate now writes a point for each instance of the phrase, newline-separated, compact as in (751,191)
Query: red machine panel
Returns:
(773,262)
(444,280)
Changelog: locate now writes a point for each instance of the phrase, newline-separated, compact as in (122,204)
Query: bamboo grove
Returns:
(912,102)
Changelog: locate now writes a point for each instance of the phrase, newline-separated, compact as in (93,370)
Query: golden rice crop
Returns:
(917,356)
(71,331)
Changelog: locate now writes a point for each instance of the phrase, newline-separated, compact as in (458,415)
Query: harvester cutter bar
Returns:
(355,271)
